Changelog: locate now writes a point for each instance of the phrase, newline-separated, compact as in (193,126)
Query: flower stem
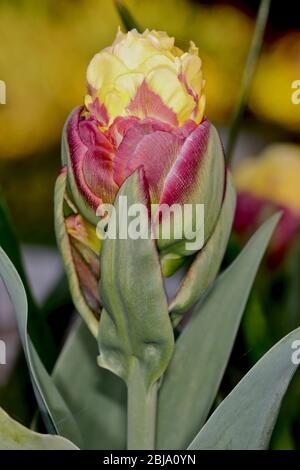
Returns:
(249,70)
(141,412)
(126,17)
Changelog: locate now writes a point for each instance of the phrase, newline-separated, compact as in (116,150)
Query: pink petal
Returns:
(247,213)
(99,111)
(118,129)
(144,144)
(146,103)
(186,129)
(196,177)
(250,213)
(182,178)
(91,156)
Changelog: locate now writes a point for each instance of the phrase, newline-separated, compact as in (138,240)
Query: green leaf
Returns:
(246,418)
(256,329)
(10,243)
(14,436)
(53,408)
(206,264)
(203,348)
(40,332)
(65,249)
(134,326)
(96,397)
(58,297)
(126,17)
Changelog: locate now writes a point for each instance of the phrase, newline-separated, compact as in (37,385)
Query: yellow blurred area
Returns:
(272,89)
(274,175)
(44,51)
(45,47)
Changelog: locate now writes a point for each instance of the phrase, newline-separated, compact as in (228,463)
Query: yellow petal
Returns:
(129,83)
(103,69)
(115,102)
(132,52)
(168,86)
(160,40)
(191,68)
(161,60)
(201,108)
(124,90)
(118,71)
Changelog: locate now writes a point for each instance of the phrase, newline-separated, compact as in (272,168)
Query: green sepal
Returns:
(65,249)
(135,328)
(171,263)
(206,264)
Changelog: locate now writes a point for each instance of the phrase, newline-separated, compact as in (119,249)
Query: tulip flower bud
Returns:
(85,246)
(265,185)
(145,108)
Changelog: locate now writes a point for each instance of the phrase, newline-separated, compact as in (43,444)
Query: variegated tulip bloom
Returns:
(144,108)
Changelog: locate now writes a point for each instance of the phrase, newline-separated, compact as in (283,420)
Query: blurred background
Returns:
(45,46)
